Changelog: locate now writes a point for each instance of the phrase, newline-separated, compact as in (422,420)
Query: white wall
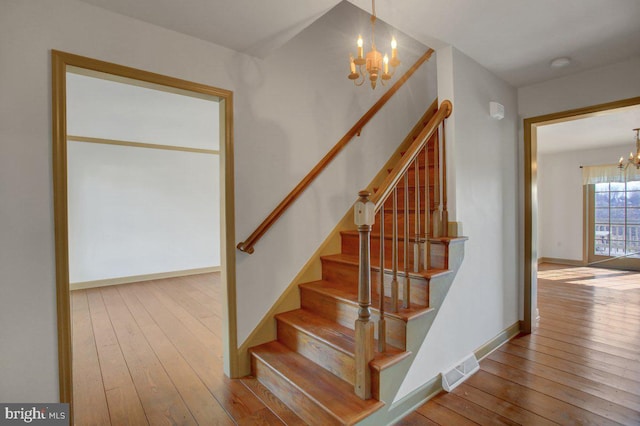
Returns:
(482,153)
(306,81)
(560,199)
(289,109)
(593,87)
(28,31)
(136,211)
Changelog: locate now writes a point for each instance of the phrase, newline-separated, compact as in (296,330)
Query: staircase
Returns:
(312,365)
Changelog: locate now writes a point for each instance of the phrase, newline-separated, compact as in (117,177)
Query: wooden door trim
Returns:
(530,186)
(61,61)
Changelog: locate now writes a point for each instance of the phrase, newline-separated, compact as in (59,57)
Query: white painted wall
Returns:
(482,152)
(136,211)
(593,87)
(560,199)
(289,109)
(306,82)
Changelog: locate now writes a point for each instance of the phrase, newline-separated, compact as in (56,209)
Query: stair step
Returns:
(338,303)
(325,342)
(350,245)
(316,395)
(350,264)
(411,171)
(350,296)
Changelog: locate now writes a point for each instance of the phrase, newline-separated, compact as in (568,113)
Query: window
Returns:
(615,221)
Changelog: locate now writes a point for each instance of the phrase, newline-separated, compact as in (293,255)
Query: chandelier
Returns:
(635,160)
(375,65)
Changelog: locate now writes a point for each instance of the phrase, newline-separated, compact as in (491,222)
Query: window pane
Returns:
(617,199)
(601,243)
(633,186)
(602,215)
(633,215)
(617,186)
(633,199)
(602,199)
(616,229)
(617,215)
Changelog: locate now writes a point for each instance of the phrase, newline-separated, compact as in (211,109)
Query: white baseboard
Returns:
(433,387)
(138,278)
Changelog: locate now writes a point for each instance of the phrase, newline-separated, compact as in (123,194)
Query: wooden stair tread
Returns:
(447,240)
(348,295)
(354,260)
(327,390)
(338,336)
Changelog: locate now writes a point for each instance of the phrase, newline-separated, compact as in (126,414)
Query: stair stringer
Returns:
(391,378)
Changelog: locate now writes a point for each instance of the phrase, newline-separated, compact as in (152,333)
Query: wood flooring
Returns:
(581,366)
(150,353)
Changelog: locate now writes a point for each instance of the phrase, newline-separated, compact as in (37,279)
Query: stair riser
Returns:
(421,156)
(331,359)
(351,246)
(346,314)
(389,203)
(293,397)
(412,185)
(412,173)
(388,221)
(346,273)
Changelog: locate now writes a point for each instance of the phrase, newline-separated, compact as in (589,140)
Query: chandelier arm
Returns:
(372,65)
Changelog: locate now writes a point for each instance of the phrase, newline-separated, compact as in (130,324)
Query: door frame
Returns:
(531,200)
(59,62)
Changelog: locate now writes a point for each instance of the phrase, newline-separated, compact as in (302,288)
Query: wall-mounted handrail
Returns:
(375,205)
(247,245)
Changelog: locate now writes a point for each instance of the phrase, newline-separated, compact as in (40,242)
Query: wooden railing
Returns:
(247,245)
(432,222)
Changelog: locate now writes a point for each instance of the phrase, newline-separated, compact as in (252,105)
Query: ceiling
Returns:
(601,130)
(515,39)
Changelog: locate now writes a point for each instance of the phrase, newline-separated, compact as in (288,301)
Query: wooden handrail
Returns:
(391,181)
(247,245)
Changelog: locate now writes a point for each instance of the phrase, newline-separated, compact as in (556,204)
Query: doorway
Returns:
(62,63)
(531,127)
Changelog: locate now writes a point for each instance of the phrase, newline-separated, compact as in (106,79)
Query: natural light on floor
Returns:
(594,277)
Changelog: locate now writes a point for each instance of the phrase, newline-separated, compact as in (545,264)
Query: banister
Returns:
(365,210)
(386,187)
(247,245)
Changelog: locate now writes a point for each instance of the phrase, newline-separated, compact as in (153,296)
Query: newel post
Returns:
(364,215)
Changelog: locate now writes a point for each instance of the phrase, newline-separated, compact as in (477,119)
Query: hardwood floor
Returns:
(150,353)
(580,366)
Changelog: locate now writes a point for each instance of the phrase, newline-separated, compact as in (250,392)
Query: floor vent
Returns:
(458,374)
